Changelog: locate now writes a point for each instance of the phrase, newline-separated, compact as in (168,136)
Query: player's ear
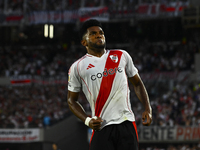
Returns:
(84,42)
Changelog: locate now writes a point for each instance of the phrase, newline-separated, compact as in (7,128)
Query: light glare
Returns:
(51,31)
(46,30)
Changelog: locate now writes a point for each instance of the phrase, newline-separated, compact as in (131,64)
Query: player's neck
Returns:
(96,52)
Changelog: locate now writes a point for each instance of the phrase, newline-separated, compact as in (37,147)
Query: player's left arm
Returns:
(142,95)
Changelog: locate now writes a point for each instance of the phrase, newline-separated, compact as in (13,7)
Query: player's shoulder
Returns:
(120,50)
(78,61)
(75,65)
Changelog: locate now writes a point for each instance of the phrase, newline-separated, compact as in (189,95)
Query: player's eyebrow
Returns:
(94,32)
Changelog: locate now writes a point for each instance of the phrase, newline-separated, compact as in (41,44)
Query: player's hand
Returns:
(146,118)
(95,124)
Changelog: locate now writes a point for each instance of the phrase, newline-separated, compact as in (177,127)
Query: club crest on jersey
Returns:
(114,58)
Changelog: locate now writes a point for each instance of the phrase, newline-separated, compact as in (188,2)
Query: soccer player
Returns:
(103,76)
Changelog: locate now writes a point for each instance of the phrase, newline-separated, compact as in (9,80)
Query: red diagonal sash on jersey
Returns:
(107,81)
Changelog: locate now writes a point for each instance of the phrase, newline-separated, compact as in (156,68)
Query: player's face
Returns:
(95,38)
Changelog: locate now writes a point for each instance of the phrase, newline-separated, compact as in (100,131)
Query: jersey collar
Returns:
(89,55)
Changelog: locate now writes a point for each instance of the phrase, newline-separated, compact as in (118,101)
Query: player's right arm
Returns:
(75,106)
(78,110)
(74,88)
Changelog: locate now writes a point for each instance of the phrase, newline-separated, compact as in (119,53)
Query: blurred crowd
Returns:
(178,106)
(148,57)
(163,56)
(32,106)
(34,62)
(43,106)
(20,6)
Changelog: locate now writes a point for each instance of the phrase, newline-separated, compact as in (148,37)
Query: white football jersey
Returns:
(104,81)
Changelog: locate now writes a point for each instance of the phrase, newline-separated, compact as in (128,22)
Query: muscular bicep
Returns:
(72,97)
(75,106)
(135,80)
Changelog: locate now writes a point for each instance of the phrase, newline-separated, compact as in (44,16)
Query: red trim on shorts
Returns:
(91,137)
(135,129)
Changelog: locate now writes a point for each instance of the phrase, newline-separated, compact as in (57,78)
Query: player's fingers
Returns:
(99,119)
(145,123)
(96,124)
(143,116)
(144,120)
(96,121)
(96,127)
(147,120)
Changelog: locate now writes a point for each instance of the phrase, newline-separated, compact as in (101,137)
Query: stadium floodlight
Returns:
(51,30)
(46,30)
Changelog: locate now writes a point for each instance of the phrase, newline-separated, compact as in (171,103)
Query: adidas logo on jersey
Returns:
(90,66)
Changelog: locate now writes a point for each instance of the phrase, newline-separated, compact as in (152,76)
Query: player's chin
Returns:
(100,43)
(100,46)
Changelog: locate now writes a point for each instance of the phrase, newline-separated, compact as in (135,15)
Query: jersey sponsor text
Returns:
(106,73)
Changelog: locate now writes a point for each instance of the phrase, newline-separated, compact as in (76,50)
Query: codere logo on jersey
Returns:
(105,73)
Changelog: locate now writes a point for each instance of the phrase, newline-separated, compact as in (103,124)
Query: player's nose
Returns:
(98,35)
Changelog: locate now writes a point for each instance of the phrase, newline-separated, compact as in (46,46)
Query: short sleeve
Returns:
(74,81)
(131,70)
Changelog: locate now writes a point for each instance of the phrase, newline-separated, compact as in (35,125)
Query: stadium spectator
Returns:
(20,6)
(160,57)
(27,106)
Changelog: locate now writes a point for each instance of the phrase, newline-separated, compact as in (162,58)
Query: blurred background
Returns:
(39,41)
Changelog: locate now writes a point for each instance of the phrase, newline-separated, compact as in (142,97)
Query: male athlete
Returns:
(103,77)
